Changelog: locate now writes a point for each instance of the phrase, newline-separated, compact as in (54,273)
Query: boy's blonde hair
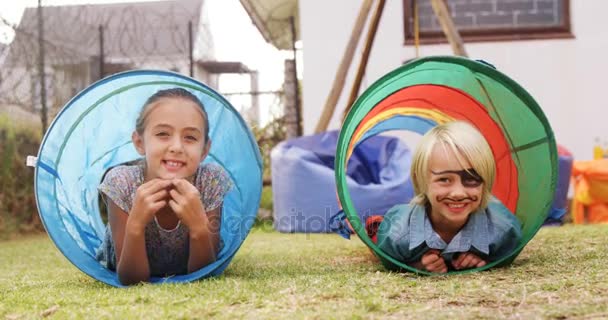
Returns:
(467,143)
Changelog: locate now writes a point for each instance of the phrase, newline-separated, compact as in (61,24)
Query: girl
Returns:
(452,222)
(164,211)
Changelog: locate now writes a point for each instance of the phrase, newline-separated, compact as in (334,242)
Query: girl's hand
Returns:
(149,198)
(186,203)
(433,262)
(468,260)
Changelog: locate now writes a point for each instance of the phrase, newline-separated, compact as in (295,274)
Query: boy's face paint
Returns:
(454,192)
(469,177)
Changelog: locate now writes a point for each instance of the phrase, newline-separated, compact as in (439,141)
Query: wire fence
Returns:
(59,50)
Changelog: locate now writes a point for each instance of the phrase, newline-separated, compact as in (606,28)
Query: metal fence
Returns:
(59,50)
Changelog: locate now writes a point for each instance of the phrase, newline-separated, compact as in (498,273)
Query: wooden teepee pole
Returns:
(338,85)
(447,24)
(369,41)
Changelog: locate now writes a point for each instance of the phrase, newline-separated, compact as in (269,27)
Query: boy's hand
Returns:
(186,203)
(468,260)
(149,198)
(433,262)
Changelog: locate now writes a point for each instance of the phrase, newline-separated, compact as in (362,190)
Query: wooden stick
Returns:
(338,85)
(447,24)
(416,29)
(369,41)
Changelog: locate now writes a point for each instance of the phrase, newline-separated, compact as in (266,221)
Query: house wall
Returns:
(172,63)
(16,87)
(565,76)
(204,47)
(19,88)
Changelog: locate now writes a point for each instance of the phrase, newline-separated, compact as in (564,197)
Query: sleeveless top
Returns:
(167,250)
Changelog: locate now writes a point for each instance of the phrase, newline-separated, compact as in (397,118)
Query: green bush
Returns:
(267,138)
(18,212)
(266,199)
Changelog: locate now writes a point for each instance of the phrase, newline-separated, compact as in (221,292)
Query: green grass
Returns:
(266,199)
(561,274)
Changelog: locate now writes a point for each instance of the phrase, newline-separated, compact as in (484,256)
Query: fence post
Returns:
(101,54)
(254,112)
(298,105)
(41,67)
(290,87)
(190,48)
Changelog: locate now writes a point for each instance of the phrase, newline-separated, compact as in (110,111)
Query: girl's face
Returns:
(173,140)
(453,192)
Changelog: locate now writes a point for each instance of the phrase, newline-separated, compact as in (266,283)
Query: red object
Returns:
(371,227)
(562,151)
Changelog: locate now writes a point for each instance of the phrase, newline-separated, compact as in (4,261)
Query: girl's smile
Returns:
(173,165)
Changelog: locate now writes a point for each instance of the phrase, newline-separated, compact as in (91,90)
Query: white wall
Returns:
(566,77)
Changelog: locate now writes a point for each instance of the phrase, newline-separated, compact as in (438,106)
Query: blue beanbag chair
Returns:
(304,187)
(560,199)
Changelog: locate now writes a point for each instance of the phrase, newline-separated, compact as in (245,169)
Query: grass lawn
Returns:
(561,274)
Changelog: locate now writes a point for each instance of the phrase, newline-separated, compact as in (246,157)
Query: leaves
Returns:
(18,212)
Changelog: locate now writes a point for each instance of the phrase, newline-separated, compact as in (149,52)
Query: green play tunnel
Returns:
(434,90)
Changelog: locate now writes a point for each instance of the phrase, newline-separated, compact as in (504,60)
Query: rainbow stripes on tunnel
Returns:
(434,90)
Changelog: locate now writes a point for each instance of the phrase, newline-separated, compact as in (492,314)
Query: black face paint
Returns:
(473,199)
(469,177)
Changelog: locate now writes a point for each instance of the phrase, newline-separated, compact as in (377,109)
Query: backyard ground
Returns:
(561,274)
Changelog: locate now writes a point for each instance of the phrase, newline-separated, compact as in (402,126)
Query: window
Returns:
(491,20)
